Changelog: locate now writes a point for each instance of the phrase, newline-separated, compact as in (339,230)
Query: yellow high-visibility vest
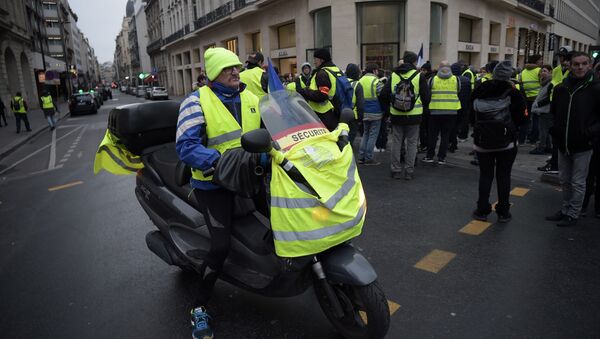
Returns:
(223,132)
(557,78)
(468,71)
(530,78)
(325,106)
(418,109)
(21,109)
(113,157)
(47,102)
(252,78)
(305,224)
(444,94)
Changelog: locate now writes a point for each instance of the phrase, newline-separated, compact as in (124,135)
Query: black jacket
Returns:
(386,98)
(576,110)
(494,89)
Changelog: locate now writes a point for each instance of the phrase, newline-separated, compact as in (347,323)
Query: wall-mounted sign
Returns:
(41,77)
(509,50)
(494,49)
(283,53)
(469,47)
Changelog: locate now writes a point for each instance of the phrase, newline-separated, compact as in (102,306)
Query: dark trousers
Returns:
(592,185)
(463,126)
(526,126)
(382,138)
(18,118)
(454,132)
(217,208)
(3,116)
(439,125)
(501,163)
(423,130)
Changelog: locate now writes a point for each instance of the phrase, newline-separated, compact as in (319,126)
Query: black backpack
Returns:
(494,128)
(16,105)
(404,94)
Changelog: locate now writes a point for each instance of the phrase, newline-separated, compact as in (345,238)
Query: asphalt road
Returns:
(74,263)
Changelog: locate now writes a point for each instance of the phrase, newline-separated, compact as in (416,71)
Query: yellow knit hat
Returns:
(218,58)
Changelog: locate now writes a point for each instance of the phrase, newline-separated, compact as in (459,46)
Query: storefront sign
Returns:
(41,77)
(494,49)
(509,50)
(283,53)
(468,47)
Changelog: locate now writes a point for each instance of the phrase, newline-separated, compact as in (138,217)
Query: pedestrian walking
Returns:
(19,107)
(462,118)
(358,100)
(373,114)
(541,109)
(49,109)
(443,109)
(576,109)
(404,97)
(2,113)
(499,108)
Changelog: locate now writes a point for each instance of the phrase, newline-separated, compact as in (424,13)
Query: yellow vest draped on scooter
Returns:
(113,157)
(252,78)
(223,132)
(302,223)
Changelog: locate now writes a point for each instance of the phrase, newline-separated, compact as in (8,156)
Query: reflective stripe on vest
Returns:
(369,84)
(531,82)
(113,157)
(325,106)
(472,79)
(47,102)
(444,94)
(252,78)
(222,130)
(304,224)
(354,84)
(418,109)
(21,105)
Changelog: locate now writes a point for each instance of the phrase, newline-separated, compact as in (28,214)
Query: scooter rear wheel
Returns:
(366,311)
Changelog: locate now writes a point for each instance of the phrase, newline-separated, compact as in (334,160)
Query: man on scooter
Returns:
(211,121)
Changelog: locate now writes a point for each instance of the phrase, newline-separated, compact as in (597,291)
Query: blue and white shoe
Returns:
(201,324)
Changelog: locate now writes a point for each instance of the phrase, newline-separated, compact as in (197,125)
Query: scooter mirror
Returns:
(347,115)
(257,141)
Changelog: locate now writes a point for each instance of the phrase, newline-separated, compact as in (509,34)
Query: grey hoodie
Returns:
(445,72)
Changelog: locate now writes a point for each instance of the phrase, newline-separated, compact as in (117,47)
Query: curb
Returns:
(13,147)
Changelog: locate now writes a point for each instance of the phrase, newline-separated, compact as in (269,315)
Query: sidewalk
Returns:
(10,140)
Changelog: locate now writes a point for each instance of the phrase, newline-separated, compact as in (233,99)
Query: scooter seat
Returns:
(165,162)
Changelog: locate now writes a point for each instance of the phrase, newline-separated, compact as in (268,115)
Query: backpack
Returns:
(343,91)
(494,128)
(404,94)
(16,105)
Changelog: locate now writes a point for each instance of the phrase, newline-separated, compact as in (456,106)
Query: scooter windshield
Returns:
(289,119)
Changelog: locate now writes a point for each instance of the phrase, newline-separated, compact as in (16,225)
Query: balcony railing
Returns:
(154,46)
(535,4)
(221,12)
(174,36)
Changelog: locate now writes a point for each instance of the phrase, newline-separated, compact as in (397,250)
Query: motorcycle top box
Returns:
(139,126)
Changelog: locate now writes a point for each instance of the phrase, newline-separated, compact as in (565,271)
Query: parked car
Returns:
(97,98)
(148,92)
(82,103)
(159,93)
(141,91)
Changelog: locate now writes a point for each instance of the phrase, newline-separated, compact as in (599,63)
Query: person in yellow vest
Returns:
(358,100)
(320,94)
(468,73)
(19,108)
(405,124)
(373,114)
(254,75)
(443,108)
(49,109)
(530,80)
(211,121)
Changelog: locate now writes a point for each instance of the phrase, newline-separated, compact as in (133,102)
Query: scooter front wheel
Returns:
(366,311)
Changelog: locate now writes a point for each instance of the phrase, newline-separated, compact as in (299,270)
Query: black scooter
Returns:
(344,281)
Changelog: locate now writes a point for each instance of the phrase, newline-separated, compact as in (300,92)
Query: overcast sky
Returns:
(100,22)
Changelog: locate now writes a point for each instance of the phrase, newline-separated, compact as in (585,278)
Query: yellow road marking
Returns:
(496,204)
(519,191)
(56,188)
(392,306)
(435,261)
(475,227)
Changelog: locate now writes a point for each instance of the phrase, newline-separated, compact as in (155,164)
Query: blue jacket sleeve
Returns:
(190,133)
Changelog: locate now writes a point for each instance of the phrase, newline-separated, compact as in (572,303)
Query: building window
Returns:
(256,42)
(322,29)
(232,45)
(287,36)
(465,29)
(465,57)
(436,23)
(379,33)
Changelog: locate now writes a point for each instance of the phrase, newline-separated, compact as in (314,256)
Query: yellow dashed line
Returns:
(496,204)
(392,306)
(475,227)
(56,188)
(435,261)
(519,191)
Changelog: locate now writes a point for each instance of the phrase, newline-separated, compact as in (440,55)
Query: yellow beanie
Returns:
(218,58)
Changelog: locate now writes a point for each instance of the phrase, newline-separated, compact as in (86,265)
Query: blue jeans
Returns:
(371,131)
